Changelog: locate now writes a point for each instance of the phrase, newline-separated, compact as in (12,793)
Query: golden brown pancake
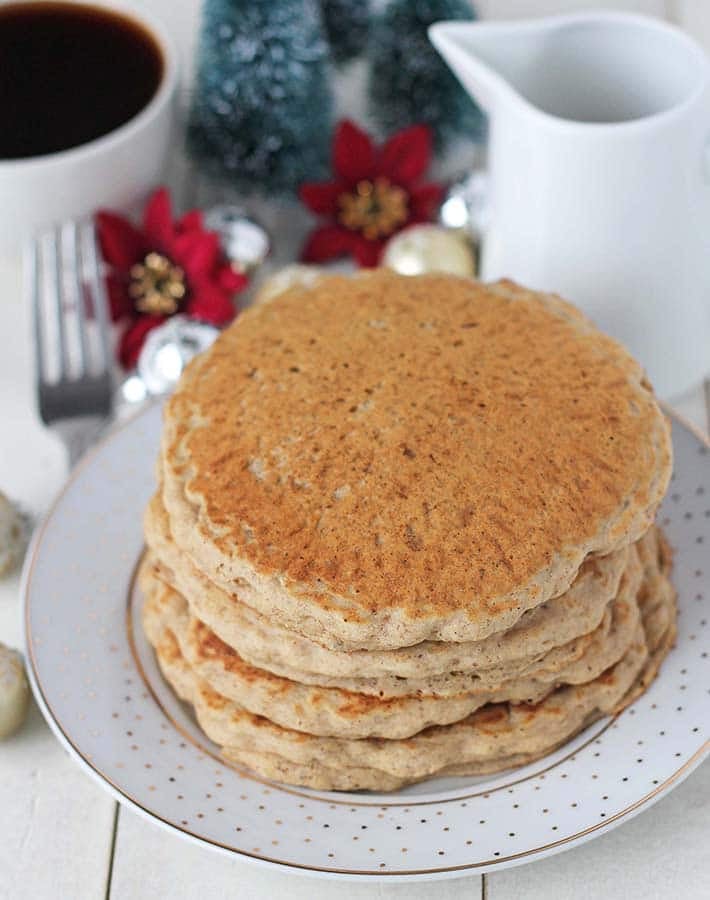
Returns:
(432,667)
(495,737)
(404,527)
(382,460)
(335,712)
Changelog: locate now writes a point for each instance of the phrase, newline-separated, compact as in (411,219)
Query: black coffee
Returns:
(69,74)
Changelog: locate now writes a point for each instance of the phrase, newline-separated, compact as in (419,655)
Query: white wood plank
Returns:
(662,853)
(56,829)
(151,863)
(55,824)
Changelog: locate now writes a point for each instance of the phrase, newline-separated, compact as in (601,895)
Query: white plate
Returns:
(97,683)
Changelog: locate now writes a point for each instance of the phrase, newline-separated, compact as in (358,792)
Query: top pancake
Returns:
(398,459)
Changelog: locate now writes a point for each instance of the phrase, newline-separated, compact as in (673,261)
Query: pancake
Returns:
(352,778)
(434,666)
(403,528)
(339,713)
(491,734)
(374,462)
(493,738)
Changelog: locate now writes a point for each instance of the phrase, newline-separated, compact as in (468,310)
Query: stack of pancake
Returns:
(405,527)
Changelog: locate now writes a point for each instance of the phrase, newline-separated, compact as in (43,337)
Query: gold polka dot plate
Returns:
(98,685)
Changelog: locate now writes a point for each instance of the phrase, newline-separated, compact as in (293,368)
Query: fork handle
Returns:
(79,434)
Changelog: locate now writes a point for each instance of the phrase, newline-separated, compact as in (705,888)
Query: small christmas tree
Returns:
(261,115)
(346,23)
(409,81)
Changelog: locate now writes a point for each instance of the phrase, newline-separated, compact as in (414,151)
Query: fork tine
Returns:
(98,295)
(32,289)
(55,293)
(73,247)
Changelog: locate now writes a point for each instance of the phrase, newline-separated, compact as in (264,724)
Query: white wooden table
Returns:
(63,838)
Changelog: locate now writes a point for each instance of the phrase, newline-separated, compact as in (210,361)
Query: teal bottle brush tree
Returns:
(261,113)
(409,81)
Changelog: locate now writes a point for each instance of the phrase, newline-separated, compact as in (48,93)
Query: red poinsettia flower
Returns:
(375,192)
(165,267)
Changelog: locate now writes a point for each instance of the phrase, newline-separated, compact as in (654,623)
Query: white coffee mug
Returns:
(115,170)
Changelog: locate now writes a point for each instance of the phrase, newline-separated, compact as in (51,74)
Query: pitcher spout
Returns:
(604,67)
(484,57)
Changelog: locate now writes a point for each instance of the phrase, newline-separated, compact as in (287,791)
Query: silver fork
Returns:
(72,352)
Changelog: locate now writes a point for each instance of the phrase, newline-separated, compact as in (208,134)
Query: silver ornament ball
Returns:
(168,349)
(244,242)
(464,204)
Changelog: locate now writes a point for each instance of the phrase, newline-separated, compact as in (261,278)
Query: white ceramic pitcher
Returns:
(599,154)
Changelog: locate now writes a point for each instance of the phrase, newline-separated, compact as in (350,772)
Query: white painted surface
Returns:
(146,854)
(56,826)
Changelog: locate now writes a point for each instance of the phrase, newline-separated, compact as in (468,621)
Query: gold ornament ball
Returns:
(430,248)
(13,535)
(14,691)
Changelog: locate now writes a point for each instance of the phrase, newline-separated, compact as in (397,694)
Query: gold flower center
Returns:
(375,208)
(157,286)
